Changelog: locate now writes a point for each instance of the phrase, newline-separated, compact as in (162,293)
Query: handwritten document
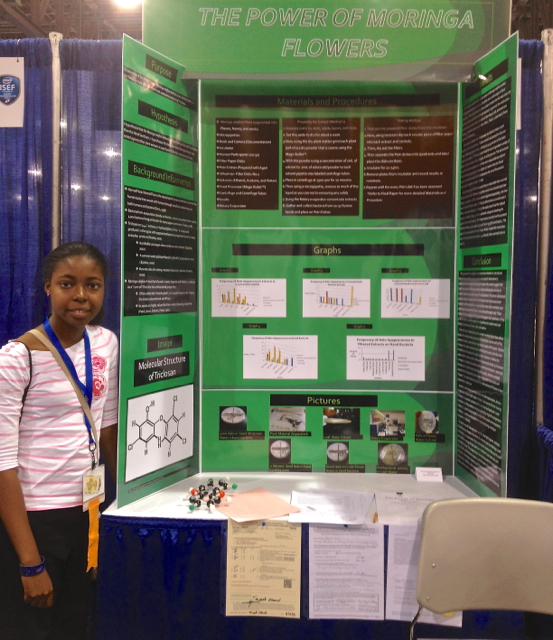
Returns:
(263,569)
(346,572)
(401,598)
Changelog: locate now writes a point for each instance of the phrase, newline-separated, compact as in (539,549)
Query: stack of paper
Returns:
(326,506)
(257,504)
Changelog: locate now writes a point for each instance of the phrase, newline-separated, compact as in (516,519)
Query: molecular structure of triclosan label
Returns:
(161,430)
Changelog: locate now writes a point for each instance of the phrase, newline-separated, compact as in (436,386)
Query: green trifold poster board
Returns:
(158,422)
(353,259)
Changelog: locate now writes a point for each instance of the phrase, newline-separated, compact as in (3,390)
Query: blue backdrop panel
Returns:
(522,478)
(164,579)
(91,154)
(26,194)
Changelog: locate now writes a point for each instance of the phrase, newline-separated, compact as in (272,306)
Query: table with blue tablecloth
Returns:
(162,571)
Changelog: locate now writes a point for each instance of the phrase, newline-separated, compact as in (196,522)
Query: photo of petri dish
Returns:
(392,455)
(427,421)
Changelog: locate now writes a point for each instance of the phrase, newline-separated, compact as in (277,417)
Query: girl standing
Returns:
(47,447)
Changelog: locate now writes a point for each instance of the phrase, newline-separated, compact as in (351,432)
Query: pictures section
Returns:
(327,432)
(285,310)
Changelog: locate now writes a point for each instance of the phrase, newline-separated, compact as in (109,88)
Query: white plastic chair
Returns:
(486,553)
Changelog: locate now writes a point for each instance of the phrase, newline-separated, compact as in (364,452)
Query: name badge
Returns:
(94,485)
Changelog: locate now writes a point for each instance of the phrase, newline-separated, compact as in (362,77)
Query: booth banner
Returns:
(328,267)
(12,92)
(486,204)
(346,40)
(159,274)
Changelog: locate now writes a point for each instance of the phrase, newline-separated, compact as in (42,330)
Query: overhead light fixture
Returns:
(128,4)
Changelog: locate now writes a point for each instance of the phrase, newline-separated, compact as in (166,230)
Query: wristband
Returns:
(34,570)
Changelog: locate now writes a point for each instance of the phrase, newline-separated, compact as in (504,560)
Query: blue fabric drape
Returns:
(91,154)
(165,579)
(522,468)
(545,431)
(26,193)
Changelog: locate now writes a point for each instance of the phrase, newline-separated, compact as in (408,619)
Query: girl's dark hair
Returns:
(70,250)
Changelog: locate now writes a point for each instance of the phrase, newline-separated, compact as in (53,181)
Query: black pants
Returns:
(62,538)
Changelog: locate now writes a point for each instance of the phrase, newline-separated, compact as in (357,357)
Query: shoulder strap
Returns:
(30,376)
(84,404)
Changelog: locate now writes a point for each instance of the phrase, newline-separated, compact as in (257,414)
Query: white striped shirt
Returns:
(49,448)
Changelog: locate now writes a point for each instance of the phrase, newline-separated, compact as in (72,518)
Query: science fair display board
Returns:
(338,248)
(158,423)
(488,109)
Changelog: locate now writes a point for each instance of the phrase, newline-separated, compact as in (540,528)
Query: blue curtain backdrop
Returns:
(522,467)
(91,154)
(26,194)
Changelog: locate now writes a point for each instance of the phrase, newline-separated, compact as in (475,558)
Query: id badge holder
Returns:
(94,486)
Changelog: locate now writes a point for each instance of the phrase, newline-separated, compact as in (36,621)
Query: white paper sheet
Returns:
(401,601)
(325,506)
(346,572)
(401,507)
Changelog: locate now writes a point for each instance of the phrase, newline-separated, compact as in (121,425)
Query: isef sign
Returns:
(12,95)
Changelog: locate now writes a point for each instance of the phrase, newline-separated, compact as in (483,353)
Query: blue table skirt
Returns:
(163,579)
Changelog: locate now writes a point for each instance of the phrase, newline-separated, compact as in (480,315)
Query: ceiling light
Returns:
(128,4)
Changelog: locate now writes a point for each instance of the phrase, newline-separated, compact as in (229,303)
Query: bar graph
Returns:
(385,358)
(336,298)
(248,297)
(407,295)
(280,357)
(415,298)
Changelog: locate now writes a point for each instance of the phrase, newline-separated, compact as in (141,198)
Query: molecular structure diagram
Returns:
(209,495)
(161,430)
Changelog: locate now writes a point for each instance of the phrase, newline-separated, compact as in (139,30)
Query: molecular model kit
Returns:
(209,495)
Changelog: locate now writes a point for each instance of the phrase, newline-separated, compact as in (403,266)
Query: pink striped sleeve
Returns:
(14,377)
(111,407)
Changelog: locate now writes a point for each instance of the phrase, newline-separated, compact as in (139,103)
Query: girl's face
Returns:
(76,292)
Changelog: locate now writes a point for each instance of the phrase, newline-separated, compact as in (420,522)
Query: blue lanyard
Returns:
(85,388)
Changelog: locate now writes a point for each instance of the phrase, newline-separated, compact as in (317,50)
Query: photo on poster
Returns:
(415,298)
(280,357)
(387,424)
(233,419)
(337,453)
(341,422)
(427,422)
(385,358)
(280,451)
(240,298)
(392,455)
(160,430)
(336,298)
(287,419)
